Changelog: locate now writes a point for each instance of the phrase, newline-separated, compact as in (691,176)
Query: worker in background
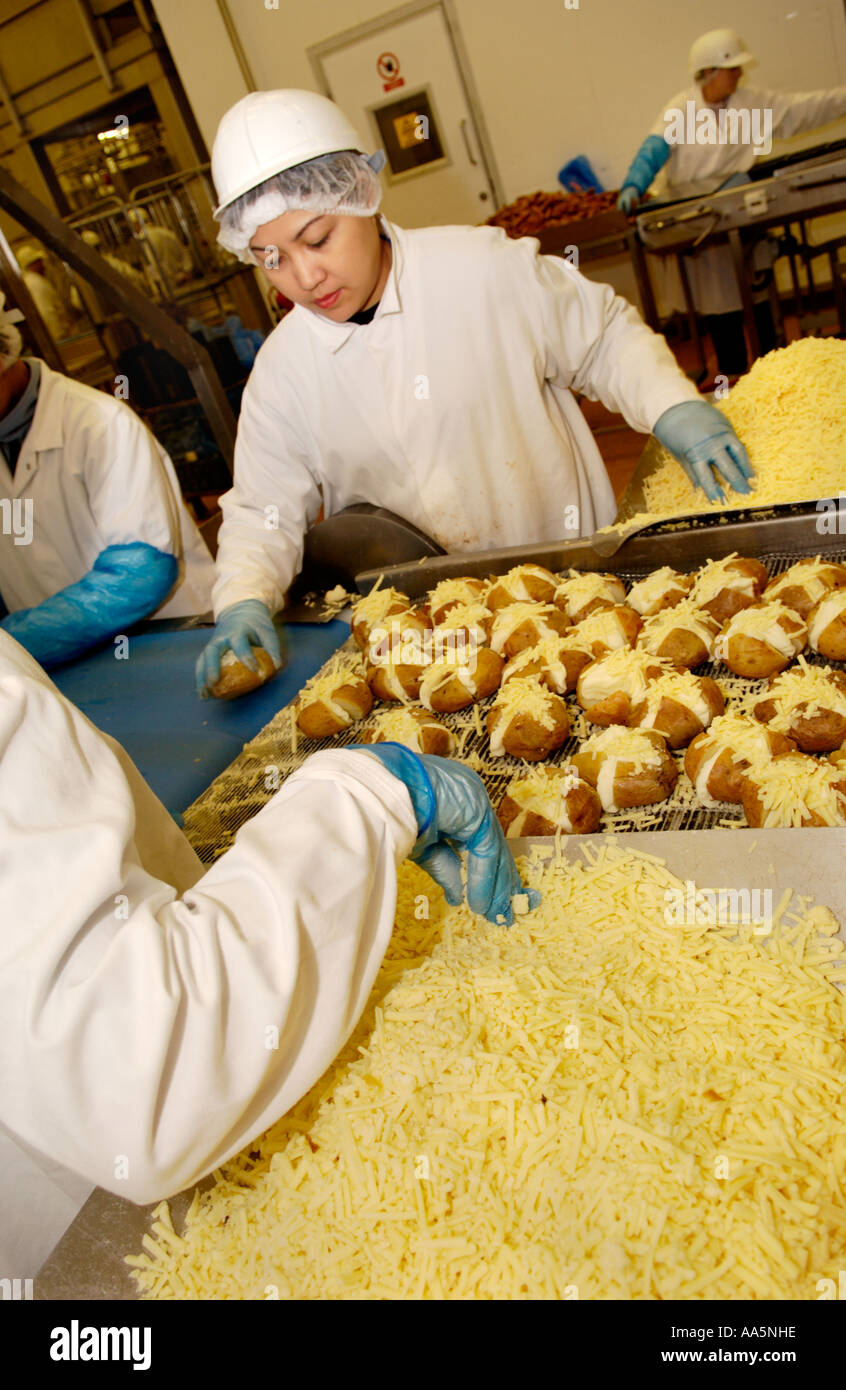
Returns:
(171,260)
(136,278)
(157,1015)
(430,372)
(61,316)
(95,535)
(675,169)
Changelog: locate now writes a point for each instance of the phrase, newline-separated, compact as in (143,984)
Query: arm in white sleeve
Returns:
(149,1033)
(598,344)
(795,112)
(274,500)
(129,480)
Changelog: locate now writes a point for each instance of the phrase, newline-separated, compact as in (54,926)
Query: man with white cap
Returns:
(671,167)
(430,372)
(95,535)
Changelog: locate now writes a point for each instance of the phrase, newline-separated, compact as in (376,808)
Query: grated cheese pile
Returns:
(789,410)
(589,1104)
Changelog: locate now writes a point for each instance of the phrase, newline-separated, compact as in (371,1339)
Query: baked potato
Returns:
(660,590)
(607,630)
(759,641)
(579,595)
(628,767)
(374,609)
(723,587)
(609,688)
(555,660)
(523,625)
(332,705)
(474,620)
(527,721)
(547,800)
(683,635)
(447,686)
(236,679)
(807,582)
(808,705)
(415,729)
(396,680)
(827,626)
(451,593)
(718,760)
(523,584)
(795,790)
(679,705)
(404,638)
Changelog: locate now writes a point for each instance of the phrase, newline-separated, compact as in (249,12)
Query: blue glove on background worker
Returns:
(701,438)
(125,584)
(239,628)
(650,158)
(453,812)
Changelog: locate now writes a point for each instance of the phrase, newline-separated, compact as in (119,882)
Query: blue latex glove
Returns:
(125,584)
(628,199)
(240,627)
(701,438)
(453,812)
(652,156)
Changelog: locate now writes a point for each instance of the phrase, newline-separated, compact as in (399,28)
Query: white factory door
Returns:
(401,85)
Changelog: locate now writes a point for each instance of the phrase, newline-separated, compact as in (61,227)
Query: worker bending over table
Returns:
(138,988)
(95,535)
(431,372)
(672,168)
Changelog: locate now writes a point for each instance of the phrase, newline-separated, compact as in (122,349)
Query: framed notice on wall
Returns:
(409,133)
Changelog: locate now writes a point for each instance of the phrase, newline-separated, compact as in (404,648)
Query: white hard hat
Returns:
(719,48)
(266,132)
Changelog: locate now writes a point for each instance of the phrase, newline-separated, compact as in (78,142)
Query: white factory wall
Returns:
(553,81)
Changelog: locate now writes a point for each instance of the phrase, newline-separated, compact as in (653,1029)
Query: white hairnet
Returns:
(10,338)
(343,183)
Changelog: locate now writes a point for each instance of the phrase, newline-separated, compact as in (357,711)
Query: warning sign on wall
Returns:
(388,68)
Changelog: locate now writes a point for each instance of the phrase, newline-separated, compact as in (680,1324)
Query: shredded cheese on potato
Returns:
(656,586)
(590,1104)
(578,590)
(779,627)
(406,726)
(809,686)
(826,612)
(793,784)
(684,617)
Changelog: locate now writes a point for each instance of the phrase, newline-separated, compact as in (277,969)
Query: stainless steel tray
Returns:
(88,1262)
(683,546)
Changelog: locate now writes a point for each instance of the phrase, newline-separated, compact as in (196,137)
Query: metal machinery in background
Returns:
(785,194)
(148,279)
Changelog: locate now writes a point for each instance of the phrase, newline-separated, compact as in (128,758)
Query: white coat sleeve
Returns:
(275,497)
(147,1034)
(598,344)
(129,492)
(794,112)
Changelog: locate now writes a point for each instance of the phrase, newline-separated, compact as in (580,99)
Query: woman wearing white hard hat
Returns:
(673,168)
(430,372)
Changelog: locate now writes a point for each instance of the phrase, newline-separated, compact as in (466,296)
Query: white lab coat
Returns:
(694,170)
(139,994)
(96,477)
(453,408)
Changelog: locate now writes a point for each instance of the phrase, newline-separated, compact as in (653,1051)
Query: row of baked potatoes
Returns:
(629,659)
